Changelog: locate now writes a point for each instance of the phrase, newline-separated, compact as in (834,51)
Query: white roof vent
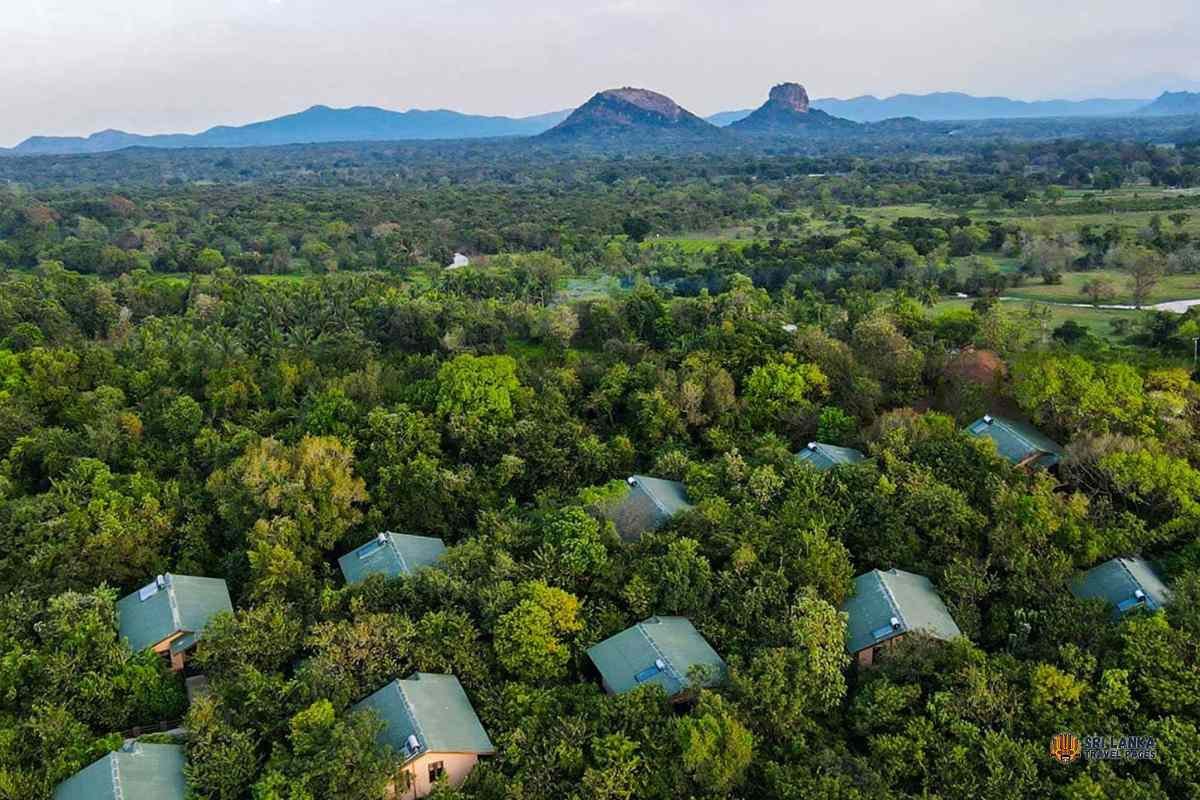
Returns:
(988,419)
(660,664)
(412,744)
(812,445)
(895,623)
(160,581)
(1140,595)
(381,538)
(631,481)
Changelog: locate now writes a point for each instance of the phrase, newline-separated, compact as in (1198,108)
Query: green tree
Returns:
(528,639)
(477,393)
(328,756)
(222,760)
(715,746)
(784,390)
(208,261)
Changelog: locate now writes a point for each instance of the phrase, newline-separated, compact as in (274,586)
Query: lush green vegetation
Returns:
(248,378)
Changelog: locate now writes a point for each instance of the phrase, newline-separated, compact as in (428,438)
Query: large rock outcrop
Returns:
(787,113)
(631,114)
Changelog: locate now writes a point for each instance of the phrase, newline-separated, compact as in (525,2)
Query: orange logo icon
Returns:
(1065,748)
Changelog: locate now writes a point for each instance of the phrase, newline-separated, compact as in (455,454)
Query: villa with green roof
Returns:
(661,651)
(391,555)
(886,606)
(431,723)
(1023,445)
(135,772)
(645,505)
(1123,583)
(827,456)
(169,614)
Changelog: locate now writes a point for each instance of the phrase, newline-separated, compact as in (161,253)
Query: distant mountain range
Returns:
(954,106)
(611,114)
(317,124)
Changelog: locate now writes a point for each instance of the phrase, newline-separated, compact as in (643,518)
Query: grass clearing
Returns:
(1098,321)
(587,288)
(1171,287)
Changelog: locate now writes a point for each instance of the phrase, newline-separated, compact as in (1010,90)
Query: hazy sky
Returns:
(152,66)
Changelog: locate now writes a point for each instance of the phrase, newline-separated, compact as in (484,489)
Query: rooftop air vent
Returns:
(631,481)
(1140,595)
(412,744)
(987,418)
(381,538)
(812,445)
(895,622)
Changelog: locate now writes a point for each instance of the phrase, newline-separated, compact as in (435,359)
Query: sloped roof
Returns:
(646,506)
(826,456)
(433,708)
(879,597)
(391,554)
(1017,441)
(138,772)
(661,650)
(1117,582)
(184,603)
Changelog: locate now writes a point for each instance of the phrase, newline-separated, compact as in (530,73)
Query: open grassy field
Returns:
(1171,287)
(587,288)
(1061,221)
(1097,321)
(693,243)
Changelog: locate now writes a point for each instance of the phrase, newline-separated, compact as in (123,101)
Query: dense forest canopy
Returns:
(247,364)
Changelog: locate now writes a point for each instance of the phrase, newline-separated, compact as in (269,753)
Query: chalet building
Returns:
(1123,583)
(1024,446)
(886,606)
(135,772)
(391,555)
(827,456)
(646,505)
(430,722)
(661,650)
(169,614)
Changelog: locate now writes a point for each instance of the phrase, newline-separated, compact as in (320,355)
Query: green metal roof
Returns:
(1118,581)
(1017,441)
(647,505)
(891,603)
(171,604)
(434,709)
(826,456)
(391,554)
(661,650)
(136,772)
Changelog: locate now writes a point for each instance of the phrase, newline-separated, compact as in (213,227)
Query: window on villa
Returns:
(436,770)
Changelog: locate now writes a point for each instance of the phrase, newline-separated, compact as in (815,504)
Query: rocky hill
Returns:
(1172,103)
(631,114)
(787,112)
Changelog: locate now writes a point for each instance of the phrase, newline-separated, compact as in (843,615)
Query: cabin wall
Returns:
(866,656)
(457,765)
